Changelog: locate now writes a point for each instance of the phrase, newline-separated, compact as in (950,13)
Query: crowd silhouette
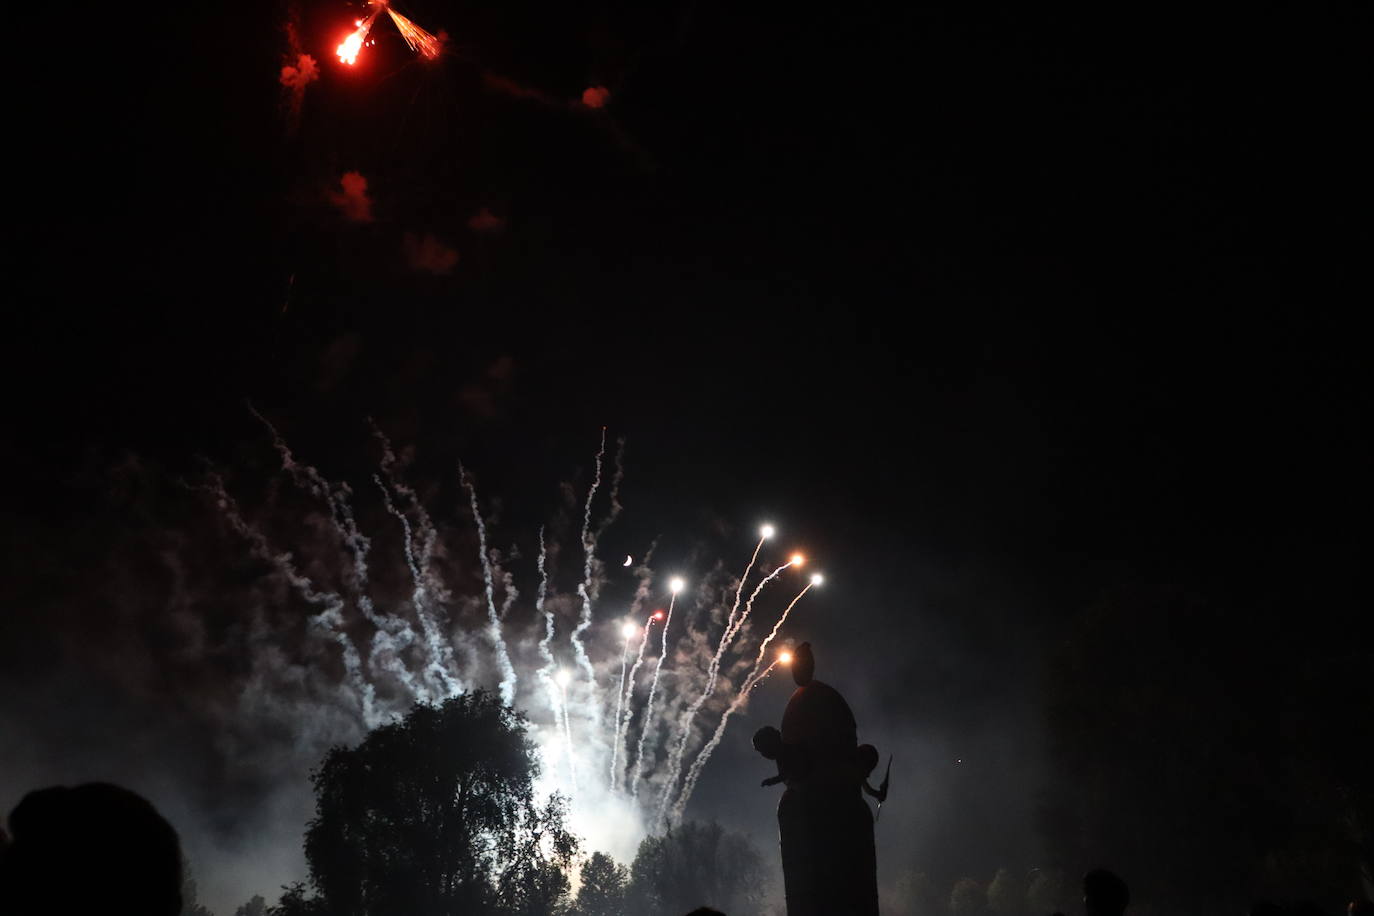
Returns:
(103,849)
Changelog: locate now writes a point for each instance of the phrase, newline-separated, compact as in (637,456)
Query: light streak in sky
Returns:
(550,652)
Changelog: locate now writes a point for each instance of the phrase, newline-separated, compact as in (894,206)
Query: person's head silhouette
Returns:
(95,848)
(768,742)
(803,664)
(1104,893)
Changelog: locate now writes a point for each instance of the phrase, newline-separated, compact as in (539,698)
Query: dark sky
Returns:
(995,307)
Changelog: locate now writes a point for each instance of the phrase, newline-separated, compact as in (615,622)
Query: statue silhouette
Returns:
(825,827)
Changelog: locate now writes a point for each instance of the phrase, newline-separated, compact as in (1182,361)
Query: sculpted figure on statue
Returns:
(824,825)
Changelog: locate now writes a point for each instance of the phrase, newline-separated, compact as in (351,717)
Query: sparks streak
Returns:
(689,785)
(629,688)
(676,586)
(620,702)
(420,41)
(712,673)
(749,605)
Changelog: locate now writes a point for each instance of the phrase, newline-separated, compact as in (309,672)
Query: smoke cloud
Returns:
(352,198)
(426,253)
(596,96)
(486,222)
(301,74)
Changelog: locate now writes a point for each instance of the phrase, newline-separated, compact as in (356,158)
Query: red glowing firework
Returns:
(348,49)
(420,41)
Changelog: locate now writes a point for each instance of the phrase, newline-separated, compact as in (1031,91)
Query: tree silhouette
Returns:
(1211,748)
(190,906)
(435,815)
(254,907)
(1006,893)
(1049,892)
(695,865)
(603,887)
(967,898)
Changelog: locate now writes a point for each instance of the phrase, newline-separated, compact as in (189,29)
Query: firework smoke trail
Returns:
(430,534)
(629,688)
(512,593)
(507,685)
(620,702)
(675,587)
(429,592)
(763,647)
(545,673)
(330,617)
(712,673)
(749,605)
(567,728)
(440,652)
(694,773)
(557,695)
(764,534)
(393,635)
(616,508)
(642,593)
(584,587)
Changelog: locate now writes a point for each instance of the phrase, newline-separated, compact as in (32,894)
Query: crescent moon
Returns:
(628,560)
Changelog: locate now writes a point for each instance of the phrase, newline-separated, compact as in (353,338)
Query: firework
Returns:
(498,641)
(348,49)
(434,644)
(732,626)
(421,42)
(675,586)
(562,679)
(755,676)
(628,688)
(628,631)
(584,588)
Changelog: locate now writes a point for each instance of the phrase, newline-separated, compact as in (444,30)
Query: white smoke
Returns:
(393,626)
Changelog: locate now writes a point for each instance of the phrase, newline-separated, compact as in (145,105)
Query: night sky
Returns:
(993,310)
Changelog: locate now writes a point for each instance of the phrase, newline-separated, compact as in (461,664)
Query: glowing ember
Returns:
(420,41)
(349,48)
(797,559)
(785,657)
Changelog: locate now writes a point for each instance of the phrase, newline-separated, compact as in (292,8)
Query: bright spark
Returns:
(817,579)
(348,49)
(785,657)
(767,531)
(563,678)
(420,41)
(676,586)
(797,559)
(629,630)
(658,615)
